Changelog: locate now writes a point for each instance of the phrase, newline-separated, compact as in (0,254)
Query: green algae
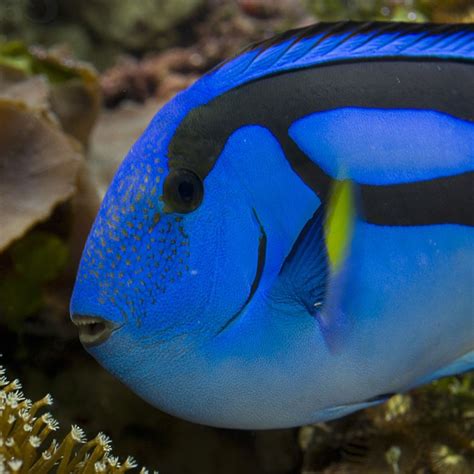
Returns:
(35,260)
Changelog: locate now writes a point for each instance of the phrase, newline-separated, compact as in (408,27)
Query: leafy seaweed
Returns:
(29,61)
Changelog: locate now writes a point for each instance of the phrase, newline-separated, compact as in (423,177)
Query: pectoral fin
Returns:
(314,269)
(304,274)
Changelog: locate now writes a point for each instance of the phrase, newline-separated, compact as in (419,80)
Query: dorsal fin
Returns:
(363,36)
(330,42)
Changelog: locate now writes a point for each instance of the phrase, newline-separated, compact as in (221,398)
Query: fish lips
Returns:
(93,330)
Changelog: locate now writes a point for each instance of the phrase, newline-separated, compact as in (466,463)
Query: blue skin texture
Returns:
(399,313)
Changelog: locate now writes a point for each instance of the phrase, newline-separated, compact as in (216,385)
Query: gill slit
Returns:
(262,250)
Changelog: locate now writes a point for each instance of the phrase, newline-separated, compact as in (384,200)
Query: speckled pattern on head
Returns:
(118,258)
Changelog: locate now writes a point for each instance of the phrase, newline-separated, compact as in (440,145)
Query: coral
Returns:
(45,164)
(49,104)
(71,88)
(25,446)
(54,102)
(397,10)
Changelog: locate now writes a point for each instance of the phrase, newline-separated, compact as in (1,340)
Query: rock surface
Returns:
(135,25)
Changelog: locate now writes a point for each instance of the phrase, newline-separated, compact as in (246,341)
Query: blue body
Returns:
(188,339)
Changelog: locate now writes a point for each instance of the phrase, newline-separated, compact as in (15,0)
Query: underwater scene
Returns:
(274,275)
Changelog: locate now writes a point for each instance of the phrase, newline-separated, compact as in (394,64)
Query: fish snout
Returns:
(92,329)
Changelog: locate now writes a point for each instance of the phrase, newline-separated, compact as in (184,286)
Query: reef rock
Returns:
(135,25)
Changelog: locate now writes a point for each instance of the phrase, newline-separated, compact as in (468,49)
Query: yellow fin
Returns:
(339,223)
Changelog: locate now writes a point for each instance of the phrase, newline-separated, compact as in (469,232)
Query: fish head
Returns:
(170,258)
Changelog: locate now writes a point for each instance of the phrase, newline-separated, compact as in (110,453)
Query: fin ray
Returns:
(304,274)
(344,41)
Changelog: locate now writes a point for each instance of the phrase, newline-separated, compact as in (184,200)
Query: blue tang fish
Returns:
(291,239)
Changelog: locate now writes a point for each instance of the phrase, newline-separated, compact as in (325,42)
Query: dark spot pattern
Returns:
(135,252)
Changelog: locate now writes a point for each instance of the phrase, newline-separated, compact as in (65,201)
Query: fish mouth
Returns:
(93,330)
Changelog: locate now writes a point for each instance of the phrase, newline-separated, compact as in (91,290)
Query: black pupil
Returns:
(186,191)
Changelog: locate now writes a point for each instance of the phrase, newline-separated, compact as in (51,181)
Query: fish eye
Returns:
(183,191)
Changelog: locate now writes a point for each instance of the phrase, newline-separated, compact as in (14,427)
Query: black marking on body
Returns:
(262,251)
(448,200)
(277,101)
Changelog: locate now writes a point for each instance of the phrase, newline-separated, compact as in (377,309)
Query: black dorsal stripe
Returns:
(276,102)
